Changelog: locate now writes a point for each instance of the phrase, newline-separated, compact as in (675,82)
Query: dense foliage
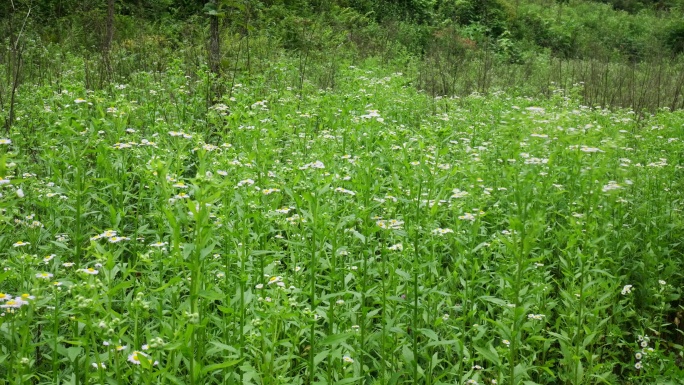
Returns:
(563,27)
(341,192)
(370,234)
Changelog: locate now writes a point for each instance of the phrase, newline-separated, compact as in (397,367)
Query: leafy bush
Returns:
(675,37)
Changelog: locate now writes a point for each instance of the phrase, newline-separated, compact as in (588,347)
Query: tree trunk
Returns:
(14,68)
(214,44)
(109,38)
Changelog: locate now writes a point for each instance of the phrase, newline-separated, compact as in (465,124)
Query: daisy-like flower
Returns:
(5,141)
(98,365)
(44,275)
(79,101)
(391,224)
(295,219)
(396,247)
(25,297)
(626,289)
(638,365)
(68,264)
(590,149)
(347,360)
(136,356)
(109,233)
(118,239)
(5,297)
(158,244)
(89,271)
(457,193)
(49,258)
(13,303)
(21,244)
(440,231)
(245,182)
(145,142)
(317,164)
(121,146)
(345,191)
(612,185)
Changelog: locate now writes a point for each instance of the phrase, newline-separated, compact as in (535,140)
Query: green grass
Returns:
(366,234)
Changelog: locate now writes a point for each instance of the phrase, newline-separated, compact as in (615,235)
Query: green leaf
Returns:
(119,287)
(335,339)
(394,379)
(494,300)
(209,7)
(173,378)
(403,274)
(489,354)
(350,380)
(73,352)
(588,340)
(560,337)
(211,295)
(429,333)
(407,355)
(359,236)
(318,358)
(223,365)
(444,342)
(222,346)
(173,281)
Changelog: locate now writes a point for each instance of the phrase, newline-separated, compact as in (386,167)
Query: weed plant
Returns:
(366,234)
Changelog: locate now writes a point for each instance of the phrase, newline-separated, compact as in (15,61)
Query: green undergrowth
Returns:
(367,234)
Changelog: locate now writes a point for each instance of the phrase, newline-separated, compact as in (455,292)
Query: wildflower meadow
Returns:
(362,234)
